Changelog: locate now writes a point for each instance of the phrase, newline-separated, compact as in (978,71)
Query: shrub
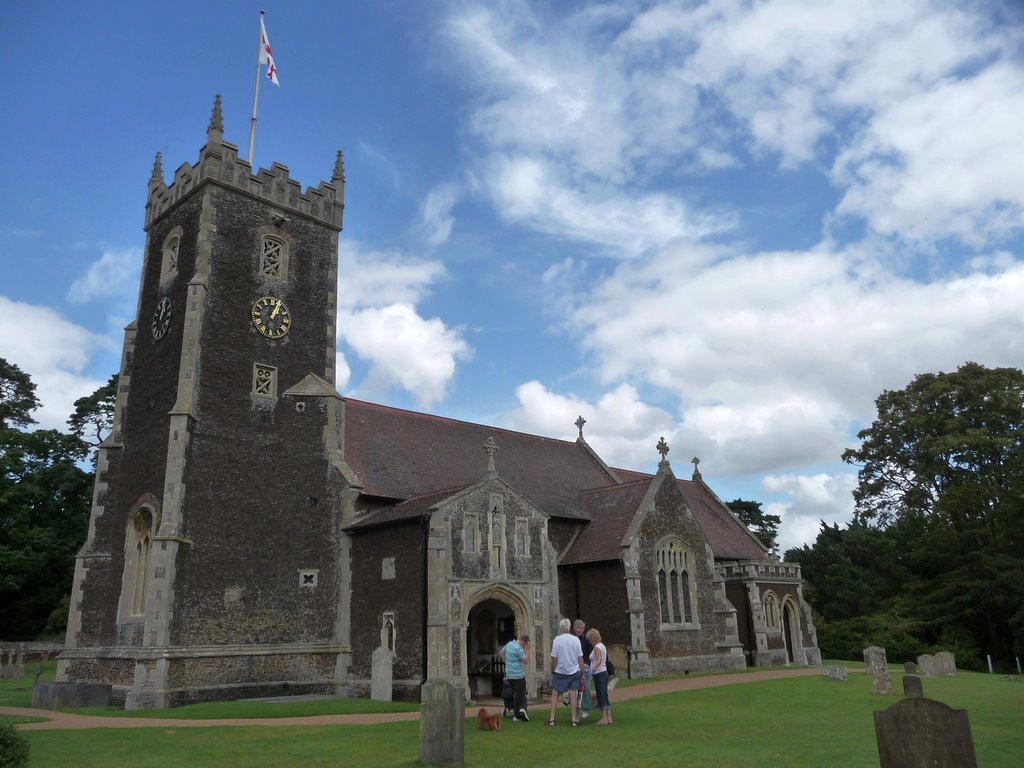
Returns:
(13,747)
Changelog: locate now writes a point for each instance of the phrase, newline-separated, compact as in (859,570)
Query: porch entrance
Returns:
(492,624)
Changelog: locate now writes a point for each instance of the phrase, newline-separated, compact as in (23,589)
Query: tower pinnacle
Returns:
(339,168)
(215,130)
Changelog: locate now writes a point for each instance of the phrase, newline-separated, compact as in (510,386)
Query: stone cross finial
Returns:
(696,468)
(662,447)
(491,448)
(579,424)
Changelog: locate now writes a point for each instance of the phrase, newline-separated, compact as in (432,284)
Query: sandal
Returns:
(551,722)
(575,723)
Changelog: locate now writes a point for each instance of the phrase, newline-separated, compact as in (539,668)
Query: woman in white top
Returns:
(599,673)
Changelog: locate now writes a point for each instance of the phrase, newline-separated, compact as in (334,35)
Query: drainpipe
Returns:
(423,598)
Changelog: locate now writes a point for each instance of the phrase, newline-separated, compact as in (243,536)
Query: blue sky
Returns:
(731,223)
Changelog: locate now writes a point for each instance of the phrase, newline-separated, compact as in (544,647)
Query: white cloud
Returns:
(115,273)
(54,352)
(620,427)
(813,499)
(378,321)
(437,213)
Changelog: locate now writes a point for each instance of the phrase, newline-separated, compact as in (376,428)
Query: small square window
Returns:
(309,578)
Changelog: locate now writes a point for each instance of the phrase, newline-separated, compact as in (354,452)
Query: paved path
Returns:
(68,721)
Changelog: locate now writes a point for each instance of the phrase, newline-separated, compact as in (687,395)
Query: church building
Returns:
(255,533)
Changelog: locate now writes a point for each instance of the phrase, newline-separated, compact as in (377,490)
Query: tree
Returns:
(942,473)
(761,524)
(44,511)
(94,415)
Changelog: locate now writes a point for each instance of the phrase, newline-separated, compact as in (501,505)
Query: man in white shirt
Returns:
(566,669)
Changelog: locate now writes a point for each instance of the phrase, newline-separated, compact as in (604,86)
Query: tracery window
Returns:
(674,564)
(169,255)
(274,258)
(136,564)
(470,534)
(264,380)
(771,611)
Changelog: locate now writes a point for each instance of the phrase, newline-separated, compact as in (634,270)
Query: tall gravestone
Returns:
(442,723)
(381,674)
(926,663)
(945,664)
(909,668)
(877,666)
(922,733)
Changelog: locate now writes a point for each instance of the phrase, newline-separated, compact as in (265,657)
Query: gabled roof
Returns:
(418,506)
(399,454)
(611,510)
(728,537)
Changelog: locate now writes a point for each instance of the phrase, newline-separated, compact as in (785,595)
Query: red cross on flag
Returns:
(266,56)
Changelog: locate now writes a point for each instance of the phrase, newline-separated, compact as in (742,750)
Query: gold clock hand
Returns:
(277,308)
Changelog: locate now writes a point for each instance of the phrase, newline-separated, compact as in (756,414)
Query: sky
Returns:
(731,224)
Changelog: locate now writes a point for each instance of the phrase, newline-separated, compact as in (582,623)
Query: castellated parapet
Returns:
(219,162)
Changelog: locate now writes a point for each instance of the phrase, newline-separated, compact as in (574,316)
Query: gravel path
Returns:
(68,721)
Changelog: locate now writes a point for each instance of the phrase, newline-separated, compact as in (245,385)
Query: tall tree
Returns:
(44,510)
(942,471)
(94,414)
(760,523)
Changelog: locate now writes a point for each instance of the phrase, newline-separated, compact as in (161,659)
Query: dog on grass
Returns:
(488,722)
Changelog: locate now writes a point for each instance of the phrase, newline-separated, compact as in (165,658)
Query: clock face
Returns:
(271,317)
(161,318)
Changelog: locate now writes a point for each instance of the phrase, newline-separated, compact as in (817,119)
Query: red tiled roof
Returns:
(407,510)
(399,454)
(611,511)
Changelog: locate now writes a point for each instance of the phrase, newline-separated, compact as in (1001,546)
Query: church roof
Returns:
(611,510)
(419,460)
(398,454)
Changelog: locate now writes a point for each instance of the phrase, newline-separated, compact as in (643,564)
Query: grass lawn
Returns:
(787,723)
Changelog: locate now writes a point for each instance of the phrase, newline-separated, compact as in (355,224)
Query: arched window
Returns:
(771,611)
(675,583)
(137,562)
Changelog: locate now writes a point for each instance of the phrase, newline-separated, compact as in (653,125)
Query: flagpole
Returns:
(255,92)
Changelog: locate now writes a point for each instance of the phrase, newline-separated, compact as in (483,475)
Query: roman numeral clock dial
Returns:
(271,317)
(161,318)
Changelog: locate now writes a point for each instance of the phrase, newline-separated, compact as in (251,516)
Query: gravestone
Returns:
(922,733)
(877,666)
(912,686)
(70,695)
(909,668)
(442,723)
(380,677)
(945,664)
(19,665)
(835,672)
(926,663)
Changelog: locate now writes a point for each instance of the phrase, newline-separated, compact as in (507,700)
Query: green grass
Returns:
(18,693)
(791,723)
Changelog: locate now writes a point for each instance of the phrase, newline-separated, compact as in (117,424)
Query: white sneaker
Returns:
(523,716)
(585,714)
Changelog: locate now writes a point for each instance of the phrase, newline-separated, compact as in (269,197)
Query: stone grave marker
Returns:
(926,663)
(945,664)
(878,667)
(912,686)
(922,733)
(442,723)
(382,664)
(909,668)
(835,672)
(70,695)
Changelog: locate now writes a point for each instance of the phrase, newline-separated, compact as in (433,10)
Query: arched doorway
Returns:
(791,630)
(495,616)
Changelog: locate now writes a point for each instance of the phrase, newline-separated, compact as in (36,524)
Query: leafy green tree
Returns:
(941,472)
(94,415)
(44,510)
(760,523)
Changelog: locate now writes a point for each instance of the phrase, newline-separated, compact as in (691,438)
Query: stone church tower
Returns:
(213,557)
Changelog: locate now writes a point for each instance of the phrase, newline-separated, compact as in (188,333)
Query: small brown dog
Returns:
(488,722)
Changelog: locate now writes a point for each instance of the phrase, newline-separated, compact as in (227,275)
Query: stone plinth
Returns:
(442,723)
(70,695)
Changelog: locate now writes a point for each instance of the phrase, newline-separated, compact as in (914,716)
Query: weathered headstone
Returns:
(912,686)
(835,672)
(381,674)
(442,723)
(878,667)
(909,668)
(19,665)
(922,733)
(945,664)
(926,663)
